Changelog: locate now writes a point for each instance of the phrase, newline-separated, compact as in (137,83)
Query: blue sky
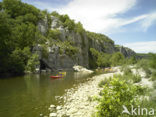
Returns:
(130,23)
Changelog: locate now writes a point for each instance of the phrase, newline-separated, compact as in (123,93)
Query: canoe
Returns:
(55,76)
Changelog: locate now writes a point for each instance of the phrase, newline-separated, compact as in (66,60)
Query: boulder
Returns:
(78,68)
(52,115)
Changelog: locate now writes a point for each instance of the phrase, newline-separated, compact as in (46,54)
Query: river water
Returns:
(31,95)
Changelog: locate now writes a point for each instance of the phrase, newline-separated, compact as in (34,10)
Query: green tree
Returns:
(117,59)
(32,63)
(5,41)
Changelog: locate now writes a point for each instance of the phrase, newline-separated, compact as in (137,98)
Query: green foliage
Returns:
(144,64)
(18,27)
(17,60)
(103,60)
(114,95)
(66,47)
(24,34)
(68,23)
(54,34)
(99,59)
(154,84)
(0,5)
(152,62)
(100,37)
(69,49)
(129,76)
(117,59)
(45,52)
(79,28)
(54,13)
(16,8)
(106,81)
(132,60)
(32,63)
(153,75)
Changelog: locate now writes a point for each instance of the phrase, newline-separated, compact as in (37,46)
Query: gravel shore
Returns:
(78,101)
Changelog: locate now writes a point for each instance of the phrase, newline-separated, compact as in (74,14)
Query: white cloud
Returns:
(98,15)
(148,21)
(142,47)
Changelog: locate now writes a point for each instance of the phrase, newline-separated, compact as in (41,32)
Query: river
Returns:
(31,95)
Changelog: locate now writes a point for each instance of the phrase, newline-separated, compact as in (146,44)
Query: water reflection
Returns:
(30,95)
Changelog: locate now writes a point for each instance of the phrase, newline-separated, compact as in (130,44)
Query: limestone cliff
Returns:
(66,48)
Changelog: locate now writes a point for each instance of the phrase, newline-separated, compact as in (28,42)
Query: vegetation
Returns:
(114,95)
(117,59)
(100,59)
(100,37)
(66,22)
(18,26)
(54,34)
(32,63)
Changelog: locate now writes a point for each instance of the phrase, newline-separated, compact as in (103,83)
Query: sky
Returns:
(131,23)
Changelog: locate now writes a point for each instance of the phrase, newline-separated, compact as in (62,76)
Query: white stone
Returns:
(58,108)
(52,106)
(52,115)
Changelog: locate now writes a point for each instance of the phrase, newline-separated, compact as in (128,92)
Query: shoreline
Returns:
(77,102)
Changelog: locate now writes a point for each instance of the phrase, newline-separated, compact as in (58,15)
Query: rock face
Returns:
(125,51)
(61,60)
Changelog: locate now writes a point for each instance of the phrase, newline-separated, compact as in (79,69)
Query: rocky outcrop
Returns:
(58,58)
(127,52)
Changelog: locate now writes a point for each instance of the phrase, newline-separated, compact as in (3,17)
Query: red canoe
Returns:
(55,76)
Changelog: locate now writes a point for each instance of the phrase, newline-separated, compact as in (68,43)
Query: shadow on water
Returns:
(30,95)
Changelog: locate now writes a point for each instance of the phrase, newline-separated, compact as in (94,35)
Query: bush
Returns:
(152,61)
(130,76)
(115,95)
(45,52)
(154,84)
(144,64)
(54,34)
(153,76)
(136,78)
(32,63)
(104,82)
(117,59)
(99,59)
(127,71)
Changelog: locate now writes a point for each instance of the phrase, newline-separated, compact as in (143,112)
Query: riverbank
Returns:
(77,102)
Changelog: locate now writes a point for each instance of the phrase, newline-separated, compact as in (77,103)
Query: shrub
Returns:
(115,95)
(154,84)
(136,78)
(117,59)
(99,59)
(144,64)
(44,51)
(153,76)
(104,82)
(32,63)
(152,61)
(54,34)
